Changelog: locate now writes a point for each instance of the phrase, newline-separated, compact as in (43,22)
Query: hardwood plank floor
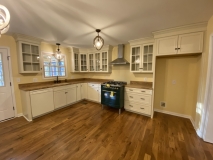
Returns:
(84,131)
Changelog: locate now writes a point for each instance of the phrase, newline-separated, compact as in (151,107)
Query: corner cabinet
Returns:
(91,60)
(180,44)
(28,54)
(141,58)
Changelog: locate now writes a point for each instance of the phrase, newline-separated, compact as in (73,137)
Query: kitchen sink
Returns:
(60,84)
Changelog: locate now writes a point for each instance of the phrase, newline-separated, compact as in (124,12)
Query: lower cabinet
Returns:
(78,92)
(83,90)
(93,92)
(64,95)
(138,100)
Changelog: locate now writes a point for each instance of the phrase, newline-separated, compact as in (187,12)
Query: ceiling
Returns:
(73,22)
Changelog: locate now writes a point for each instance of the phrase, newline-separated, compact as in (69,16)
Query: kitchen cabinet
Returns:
(64,95)
(91,62)
(141,58)
(93,92)
(83,90)
(138,101)
(76,62)
(28,54)
(78,92)
(101,61)
(180,44)
(83,62)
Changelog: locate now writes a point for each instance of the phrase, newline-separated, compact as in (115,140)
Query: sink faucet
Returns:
(57,81)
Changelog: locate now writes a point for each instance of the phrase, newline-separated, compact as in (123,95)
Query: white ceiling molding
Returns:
(181,30)
(142,41)
(25,38)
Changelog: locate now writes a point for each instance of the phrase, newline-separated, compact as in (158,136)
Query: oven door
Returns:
(110,97)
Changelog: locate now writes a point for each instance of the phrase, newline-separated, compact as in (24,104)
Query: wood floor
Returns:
(86,132)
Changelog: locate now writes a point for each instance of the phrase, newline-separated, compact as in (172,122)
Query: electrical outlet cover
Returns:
(163,104)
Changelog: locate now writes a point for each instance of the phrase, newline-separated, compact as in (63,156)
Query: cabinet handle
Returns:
(130,96)
(140,68)
(142,108)
(177,48)
(131,90)
(143,91)
(142,98)
(130,105)
(65,92)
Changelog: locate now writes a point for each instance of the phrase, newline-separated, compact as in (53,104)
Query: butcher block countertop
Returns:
(140,85)
(51,84)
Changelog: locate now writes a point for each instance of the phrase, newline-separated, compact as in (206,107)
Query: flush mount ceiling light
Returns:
(4,19)
(98,40)
(58,54)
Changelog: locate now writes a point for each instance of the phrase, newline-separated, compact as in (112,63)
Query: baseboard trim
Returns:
(19,115)
(177,114)
(27,119)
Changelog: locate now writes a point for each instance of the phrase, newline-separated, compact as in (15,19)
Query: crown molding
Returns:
(142,41)
(181,30)
(25,38)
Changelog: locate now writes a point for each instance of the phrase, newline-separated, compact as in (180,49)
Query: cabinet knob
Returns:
(142,98)
(130,105)
(130,96)
(142,108)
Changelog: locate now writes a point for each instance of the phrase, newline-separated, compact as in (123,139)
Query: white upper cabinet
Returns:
(141,55)
(83,62)
(28,53)
(167,46)
(190,43)
(91,60)
(180,44)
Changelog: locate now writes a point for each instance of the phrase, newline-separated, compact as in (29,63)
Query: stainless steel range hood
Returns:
(120,59)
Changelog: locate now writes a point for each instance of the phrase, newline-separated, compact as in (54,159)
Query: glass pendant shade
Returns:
(4,19)
(98,41)
(58,54)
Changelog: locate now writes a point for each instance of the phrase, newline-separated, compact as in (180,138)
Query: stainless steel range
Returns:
(112,94)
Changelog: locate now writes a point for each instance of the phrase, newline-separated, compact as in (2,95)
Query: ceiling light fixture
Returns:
(98,40)
(58,54)
(4,19)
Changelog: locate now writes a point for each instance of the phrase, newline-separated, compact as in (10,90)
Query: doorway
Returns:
(7,109)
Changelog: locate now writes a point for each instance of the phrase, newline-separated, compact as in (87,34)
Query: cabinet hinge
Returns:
(10,84)
(8,57)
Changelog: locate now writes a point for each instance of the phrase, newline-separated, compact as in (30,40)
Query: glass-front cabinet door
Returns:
(91,62)
(83,63)
(97,62)
(76,62)
(135,59)
(147,58)
(104,61)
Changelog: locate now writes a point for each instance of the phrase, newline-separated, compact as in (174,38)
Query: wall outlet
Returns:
(18,80)
(163,104)
(145,79)
(35,79)
(173,81)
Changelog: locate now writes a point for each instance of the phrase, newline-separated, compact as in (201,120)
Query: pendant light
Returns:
(4,19)
(58,54)
(98,40)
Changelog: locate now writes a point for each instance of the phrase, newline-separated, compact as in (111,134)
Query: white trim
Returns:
(11,79)
(208,93)
(19,115)
(176,114)
(27,119)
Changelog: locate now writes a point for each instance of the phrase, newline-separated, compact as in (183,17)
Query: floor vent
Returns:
(163,104)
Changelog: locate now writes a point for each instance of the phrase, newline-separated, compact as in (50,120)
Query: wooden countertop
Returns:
(140,85)
(51,84)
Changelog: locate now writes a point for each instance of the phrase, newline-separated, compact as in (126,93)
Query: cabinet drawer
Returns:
(64,87)
(137,90)
(93,85)
(140,98)
(136,107)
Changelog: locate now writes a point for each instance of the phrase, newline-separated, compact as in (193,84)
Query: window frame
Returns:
(42,66)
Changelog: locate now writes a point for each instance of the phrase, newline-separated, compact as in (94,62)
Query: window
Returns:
(1,72)
(53,67)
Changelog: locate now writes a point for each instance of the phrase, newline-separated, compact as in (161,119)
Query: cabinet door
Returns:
(60,98)
(78,92)
(104,61)
(91,62)
(147,58)
(84,90)
(76,62)
(135,58)
(71,95)
(83,63)
(167,46)
(190,43)
(92,93)
(97,62)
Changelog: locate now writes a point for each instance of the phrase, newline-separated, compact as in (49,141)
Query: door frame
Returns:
(11,80)
(208,92)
